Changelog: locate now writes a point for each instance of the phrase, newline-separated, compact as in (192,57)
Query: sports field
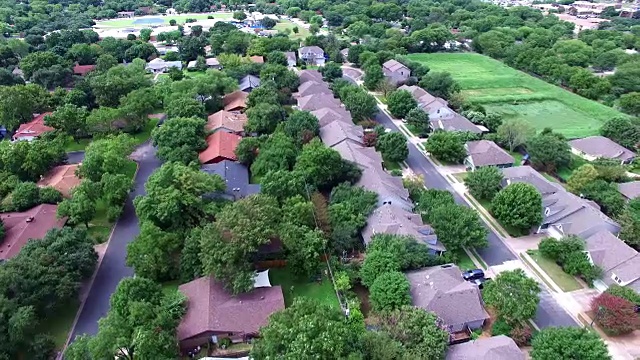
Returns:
(180,19)
(515,94)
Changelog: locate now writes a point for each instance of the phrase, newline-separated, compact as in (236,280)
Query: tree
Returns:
(174,196)
(304,247)
(239,15)
(39,60)
(282,184)
(361,105)
(568,342)
(419,120)
(268,23)
(377,263)
(24,196)
(400,102)
(581,177)
(440,84)
(110,86)
(373,76)
(18,104)
(458,226)
(622,130)
(70,119)
(606,195)
(229,243)
(278,152)
(420,332)
(180,139)
(624,293)
(429,199)
(514,296)
(323,167)
(390,291)
(105,62)
(306,329)
(515,133)
(79,209)
(519,205)
(446,146)
(549,151)
(155,254)
(49,195)
(277,57)
(484,183)
(185,107)
(331,71)
(302,126)
(629,221)
(264,118)
(284,78)
(393,146)
(630,103)
(266,93)
(247,150)
(615,315)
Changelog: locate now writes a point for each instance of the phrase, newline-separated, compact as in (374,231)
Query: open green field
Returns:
(283,24)
(180,19)
(293,287)
(515,94)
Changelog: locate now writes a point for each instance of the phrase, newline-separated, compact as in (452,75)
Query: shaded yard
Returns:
(139,138)
(391,165)
(565,281)
(293,287)
(59,324)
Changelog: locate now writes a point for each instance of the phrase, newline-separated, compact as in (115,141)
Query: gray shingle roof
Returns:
(613,256)
(528,175)
(455,122)
(338,131)
(393,65)
(602,147)
(315,102)
(329,114)
(235,177)
(313,88)
(416,91)
(309,75)
(630,190)
(487,153)
(442,289)
(493,348)
(249,82)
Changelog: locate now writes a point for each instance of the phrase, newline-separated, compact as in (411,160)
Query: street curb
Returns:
(93,277)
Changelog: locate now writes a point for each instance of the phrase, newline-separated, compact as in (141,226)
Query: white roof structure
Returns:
(261,279)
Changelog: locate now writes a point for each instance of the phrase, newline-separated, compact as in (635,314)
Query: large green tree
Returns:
(458,226)
(440,84)
(155,254)
(513,295)
(568,343)
(400,102)
(390,291)
(622,130)
(107,155)
(264,118)
(549,151)
(446,146)
(518,205)
(484,183)
(361,105)
(18,104)
(180,139)
(70,119)
(581,177)
(323,167)
(515,133)
(393,146)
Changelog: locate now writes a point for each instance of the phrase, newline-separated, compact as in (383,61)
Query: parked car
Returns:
(480,282)
(473,274)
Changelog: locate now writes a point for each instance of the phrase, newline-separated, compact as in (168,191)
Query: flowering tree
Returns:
(615,315)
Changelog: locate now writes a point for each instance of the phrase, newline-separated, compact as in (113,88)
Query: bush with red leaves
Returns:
(521,335)
(616,316)
(370,139)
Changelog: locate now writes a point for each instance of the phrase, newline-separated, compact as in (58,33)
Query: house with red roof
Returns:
(214,314)
(20,227)
(221,145)
(83,70)
(62,178)
(32,129)
(235,101)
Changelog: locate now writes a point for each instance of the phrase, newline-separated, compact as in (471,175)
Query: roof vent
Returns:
(29,219)
(261,297)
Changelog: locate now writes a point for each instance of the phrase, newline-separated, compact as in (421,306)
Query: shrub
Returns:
(390,291)
(49,195)
(624,292)
(25,196)
(500,327)
(615,315)
(521,335)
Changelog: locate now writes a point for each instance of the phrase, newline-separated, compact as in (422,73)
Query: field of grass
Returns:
(565,281)
(283,24)
(515,94)
(180,19)
(293,287)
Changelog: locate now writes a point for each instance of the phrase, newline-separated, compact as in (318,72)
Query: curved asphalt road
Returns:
(113,268)
(549,313)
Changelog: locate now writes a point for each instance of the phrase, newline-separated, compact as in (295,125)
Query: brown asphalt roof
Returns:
(487,153)
(309,75)
(394,65)
(313,88)
(257,59)
(602,147)
(226,120)
(319,101)
(83,69)
(62,178)
(328,115)
(220,144)
(22,226)
(212,308)
(236,100)
(630,190)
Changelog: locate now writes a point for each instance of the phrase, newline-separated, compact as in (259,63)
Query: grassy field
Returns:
(294,287)
(565,281)
(515,94)
(180,19)
(283,24)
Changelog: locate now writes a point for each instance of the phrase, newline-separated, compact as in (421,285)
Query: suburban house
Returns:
(396,72)
(390,189)
(486,153)
(319,101)
(499,347)
(235,177)
(630,190)
(20,227)
(83,70)
(249,82)
(442,290)
(17,72)
(158,66)
(312,88)
(62,178)
(595,147)
(226,121)
(312,55)
(257,59)
(455,122)
(33,129)
(291,59)
(391,219)
(328,115)
(620,263)
(221,145)
(214,314)
(309,75)
(235,101)
(563,212)
(212,63)
(336,132)
(345,53)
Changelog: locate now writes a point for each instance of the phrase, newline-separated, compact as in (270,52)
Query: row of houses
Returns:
(439,289)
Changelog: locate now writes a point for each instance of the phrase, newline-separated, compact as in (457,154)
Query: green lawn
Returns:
(72,145)
(59,324)
(284,24)
(170,286)
(461,176)
(517,157)
(464,261)
(180,19)
(515,94)
(391,165)
(145,134)
(565,281)
(293,287)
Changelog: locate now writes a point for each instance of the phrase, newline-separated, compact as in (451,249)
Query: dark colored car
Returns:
(473,274)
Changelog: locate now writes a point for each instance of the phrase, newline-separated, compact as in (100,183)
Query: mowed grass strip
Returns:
(515,94)
(180,19)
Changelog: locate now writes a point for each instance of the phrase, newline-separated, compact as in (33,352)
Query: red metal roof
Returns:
(220,145)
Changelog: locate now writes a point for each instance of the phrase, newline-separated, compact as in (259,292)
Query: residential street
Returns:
(112,268)
(550,313)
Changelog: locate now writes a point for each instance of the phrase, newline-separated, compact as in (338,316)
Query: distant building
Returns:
(595,147)
(499,347)
(158,65)
(83,70)
(126,14)
(396,72)
(235,101)
(33,129)
(62,178)
(226,121)
(248,83)
(312,55)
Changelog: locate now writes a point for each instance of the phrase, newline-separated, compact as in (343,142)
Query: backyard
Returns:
(180,19)
(294,286)
(515,94)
